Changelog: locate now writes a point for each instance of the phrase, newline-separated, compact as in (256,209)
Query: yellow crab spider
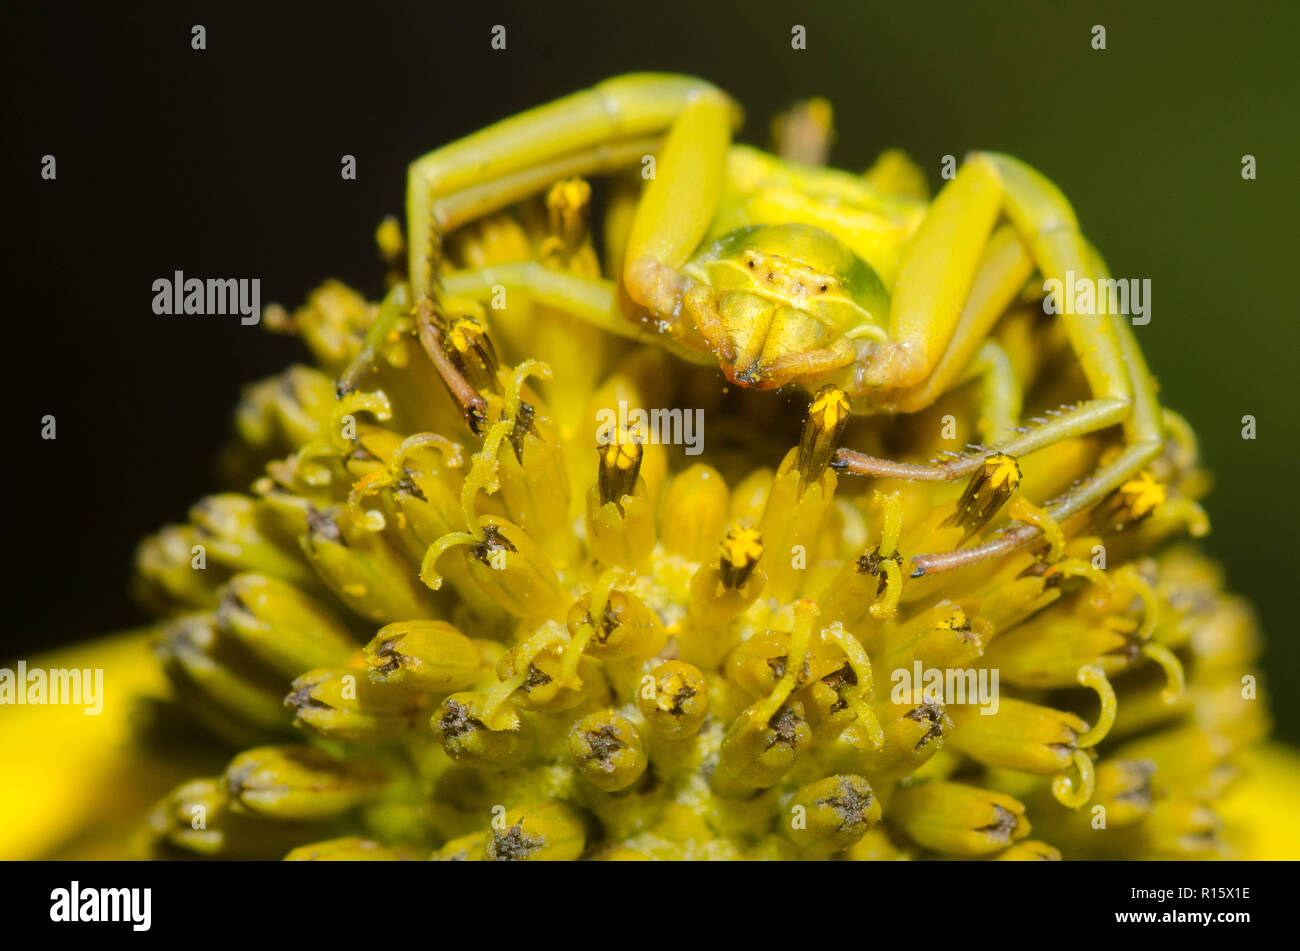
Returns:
(792,274)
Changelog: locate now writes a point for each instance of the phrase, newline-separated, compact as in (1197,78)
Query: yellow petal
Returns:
(1261,812)
(71,783)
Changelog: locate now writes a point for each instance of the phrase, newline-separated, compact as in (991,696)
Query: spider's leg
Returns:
(935,281)
(809,365)
(592,300)
(923,325)
(1044,230)
(1145,444)
(1087,417)
(459,207)
(1107,351)
(675,212)
(592,132)
(1000,398)
(1004,267)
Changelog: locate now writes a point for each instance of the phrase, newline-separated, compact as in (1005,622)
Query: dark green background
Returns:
(226,162)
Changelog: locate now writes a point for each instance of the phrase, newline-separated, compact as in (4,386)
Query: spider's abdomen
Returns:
(762,189)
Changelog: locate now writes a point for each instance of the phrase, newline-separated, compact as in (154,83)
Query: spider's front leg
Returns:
(605,128)
(1144,438)
(954,284)
(674,214)
(672,218)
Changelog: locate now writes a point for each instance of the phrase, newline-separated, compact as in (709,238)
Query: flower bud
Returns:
(212,669)
(200,818)
(958,819)
(608,750)
(627,627)
(170,574)
(284,627)
(363,570)
(460,726)
(693,513)
(351,848)
(300,782)
(545,832)
(832,814)
(674,699)
(759,754)
(341,703)
(1029,851)
(430,656)
(238,536)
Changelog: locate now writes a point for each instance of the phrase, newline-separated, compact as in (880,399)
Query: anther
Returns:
(1133,501)
(741,550)
(827,417)
(620,465)
(989,488)
(470,349)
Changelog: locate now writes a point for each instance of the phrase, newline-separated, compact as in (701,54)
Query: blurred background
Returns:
(225,162)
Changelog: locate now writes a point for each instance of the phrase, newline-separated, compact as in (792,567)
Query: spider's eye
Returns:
(751,265)
(822,288)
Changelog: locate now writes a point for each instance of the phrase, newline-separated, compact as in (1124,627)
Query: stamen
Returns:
(1025,511)
(1070,793)
(827,417)
(428,573)
(885,561)
(578,643)
(521,373)
(370,519)
(453,453)
(520,411)
(567,205)
(483,473)
(1176,677)
(805,613)
(376,404)
(860,663)
(1078,568)
(1128,578)
(315,463)
(892,524)
(601,590)
(886,606)
(1095,678)
(495,714)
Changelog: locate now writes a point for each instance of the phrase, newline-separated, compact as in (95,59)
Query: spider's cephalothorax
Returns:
(767,294)
(784,272)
